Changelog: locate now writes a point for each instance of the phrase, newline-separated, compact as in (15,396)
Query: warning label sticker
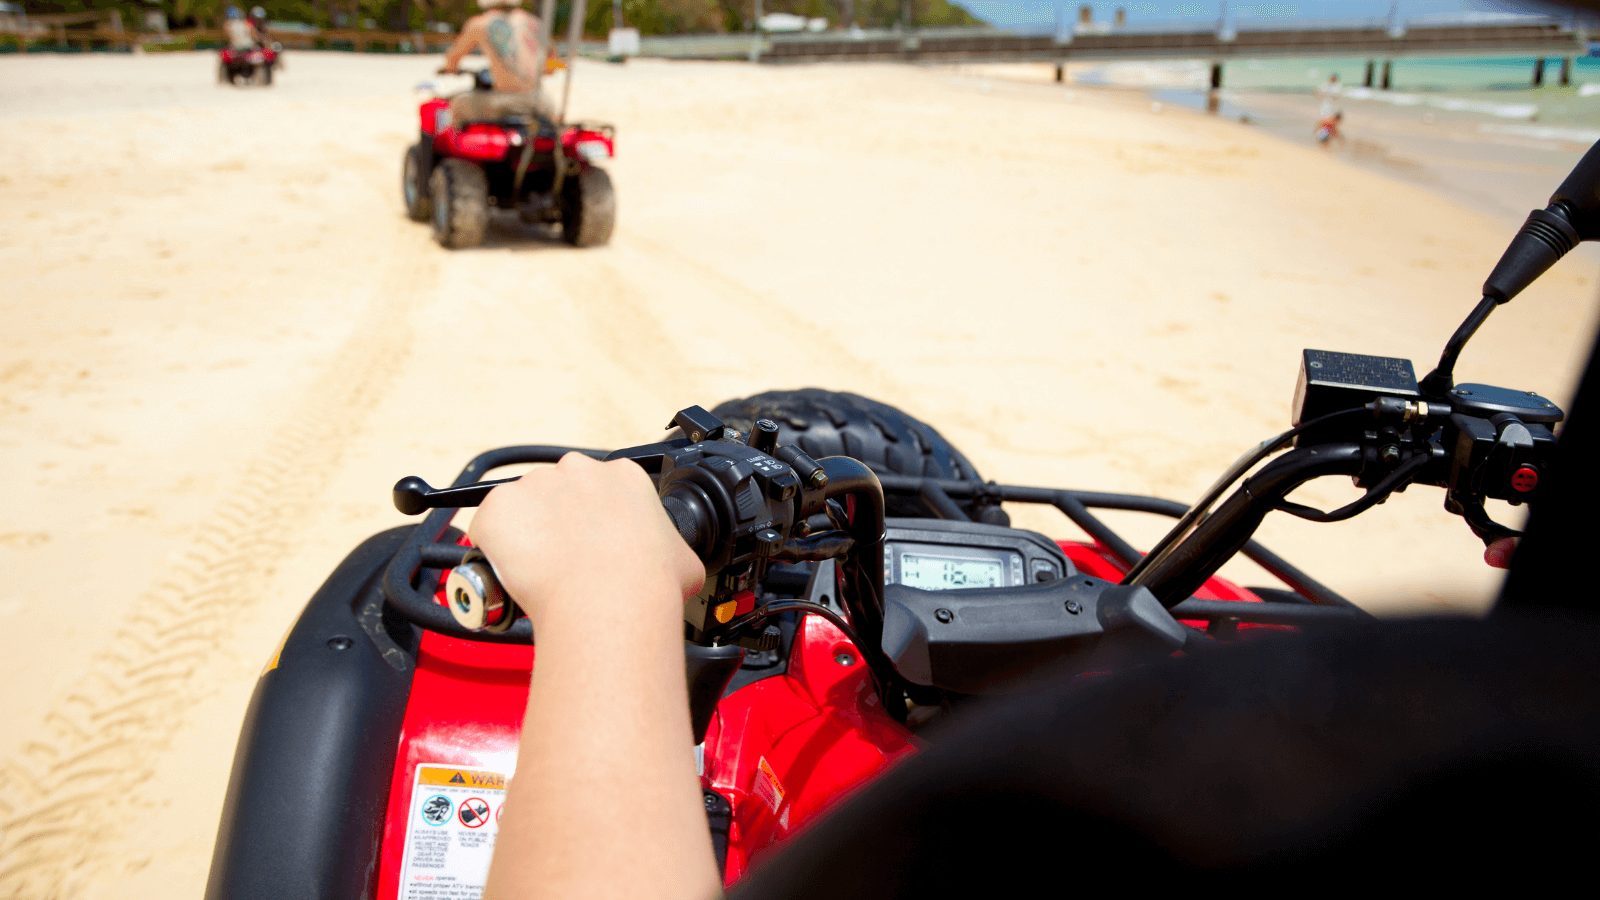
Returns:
(767,786)
(455,815)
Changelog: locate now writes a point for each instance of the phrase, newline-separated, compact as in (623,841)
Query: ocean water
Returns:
(1473,128)
(1495,92)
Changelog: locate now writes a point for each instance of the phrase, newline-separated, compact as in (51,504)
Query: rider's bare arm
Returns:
(468,40)
(605,801)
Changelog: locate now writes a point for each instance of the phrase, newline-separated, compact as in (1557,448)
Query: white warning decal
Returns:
(455,816)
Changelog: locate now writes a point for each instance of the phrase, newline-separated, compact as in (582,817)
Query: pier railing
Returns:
(1547,38)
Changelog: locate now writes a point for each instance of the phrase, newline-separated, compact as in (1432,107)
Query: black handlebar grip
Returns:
(1580,194)
(688,520)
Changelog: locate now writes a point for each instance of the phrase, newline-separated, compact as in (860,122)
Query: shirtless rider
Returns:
(508,37)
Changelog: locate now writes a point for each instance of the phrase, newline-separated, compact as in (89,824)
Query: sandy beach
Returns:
(225,343)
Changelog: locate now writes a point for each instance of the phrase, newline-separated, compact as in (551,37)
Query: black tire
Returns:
(588,208)
(460,204)
(891,442)
(414,190)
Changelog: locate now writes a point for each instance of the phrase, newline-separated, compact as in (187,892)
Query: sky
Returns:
(1036,14)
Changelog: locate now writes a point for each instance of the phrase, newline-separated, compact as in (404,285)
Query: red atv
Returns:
(863,582)
(252,66)
(546,171)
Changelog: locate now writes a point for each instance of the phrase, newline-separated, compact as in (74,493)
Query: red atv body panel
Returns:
(781,750)
(264,56)
(477,142)
(466,706)
(787,748)
(484,142)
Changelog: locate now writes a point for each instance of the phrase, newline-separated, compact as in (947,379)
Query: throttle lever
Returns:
(412,495)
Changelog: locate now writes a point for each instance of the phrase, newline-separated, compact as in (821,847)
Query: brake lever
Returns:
(1487,529)
(412,495)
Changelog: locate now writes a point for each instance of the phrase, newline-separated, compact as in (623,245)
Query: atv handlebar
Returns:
(478,600)
(1175,575)
(1477,442)
(743,503)
(482,79)
(739,502)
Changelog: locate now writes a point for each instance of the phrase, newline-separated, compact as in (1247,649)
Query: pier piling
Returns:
(1388,73)
(1538,71)
(1566,71)
(1367,81)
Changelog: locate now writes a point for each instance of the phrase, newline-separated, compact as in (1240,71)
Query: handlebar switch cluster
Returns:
(1483,442)
(735,503)
(1500,458)
(1503,442)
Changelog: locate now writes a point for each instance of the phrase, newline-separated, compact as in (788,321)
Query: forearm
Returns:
(458,50)
(607,751)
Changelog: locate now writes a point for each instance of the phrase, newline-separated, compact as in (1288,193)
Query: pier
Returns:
(1379,44)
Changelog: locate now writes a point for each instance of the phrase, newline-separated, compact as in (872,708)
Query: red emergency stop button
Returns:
(1524,479)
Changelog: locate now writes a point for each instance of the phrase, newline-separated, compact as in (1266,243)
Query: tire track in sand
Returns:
(104,740)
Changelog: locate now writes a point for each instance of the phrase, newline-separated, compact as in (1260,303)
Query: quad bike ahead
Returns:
(850,600)
(546,170)
(252,66)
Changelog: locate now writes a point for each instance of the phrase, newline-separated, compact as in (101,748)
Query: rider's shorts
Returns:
(491,106)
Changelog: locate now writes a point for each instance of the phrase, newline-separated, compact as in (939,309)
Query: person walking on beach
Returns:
(1329,93)
(509,37)
(1330,116)
(1328,129)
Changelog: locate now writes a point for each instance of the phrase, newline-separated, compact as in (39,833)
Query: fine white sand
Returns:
(224,343)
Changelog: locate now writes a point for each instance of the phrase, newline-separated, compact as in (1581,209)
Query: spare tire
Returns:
(891,442)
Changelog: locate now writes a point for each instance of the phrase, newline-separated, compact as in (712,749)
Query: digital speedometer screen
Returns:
(943,573)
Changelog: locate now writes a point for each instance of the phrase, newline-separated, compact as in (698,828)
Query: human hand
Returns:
(586,533)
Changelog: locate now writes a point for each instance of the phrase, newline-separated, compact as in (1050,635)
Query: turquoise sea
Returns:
(1496,91)
(1472,126)
(1494,87)
(1498,74)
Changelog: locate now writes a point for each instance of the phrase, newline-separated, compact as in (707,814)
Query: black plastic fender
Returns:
(306,801)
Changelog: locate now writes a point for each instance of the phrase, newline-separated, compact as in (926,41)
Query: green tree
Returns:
(649,16)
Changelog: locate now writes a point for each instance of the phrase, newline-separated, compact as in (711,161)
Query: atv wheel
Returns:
(414,184)
(266,75)
(460,204)
(830,423)
(588,208)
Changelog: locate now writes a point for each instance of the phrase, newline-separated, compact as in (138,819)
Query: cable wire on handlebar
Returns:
(1203,506)
(1377,494)
(778,607)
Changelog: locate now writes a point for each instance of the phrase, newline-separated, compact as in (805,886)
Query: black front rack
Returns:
(940,496)
(432,548)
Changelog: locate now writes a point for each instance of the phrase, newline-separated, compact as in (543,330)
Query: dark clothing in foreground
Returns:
(1457,746)
(1374,755)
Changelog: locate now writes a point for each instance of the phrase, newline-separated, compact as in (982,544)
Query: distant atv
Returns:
(546,171)
(253,66)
